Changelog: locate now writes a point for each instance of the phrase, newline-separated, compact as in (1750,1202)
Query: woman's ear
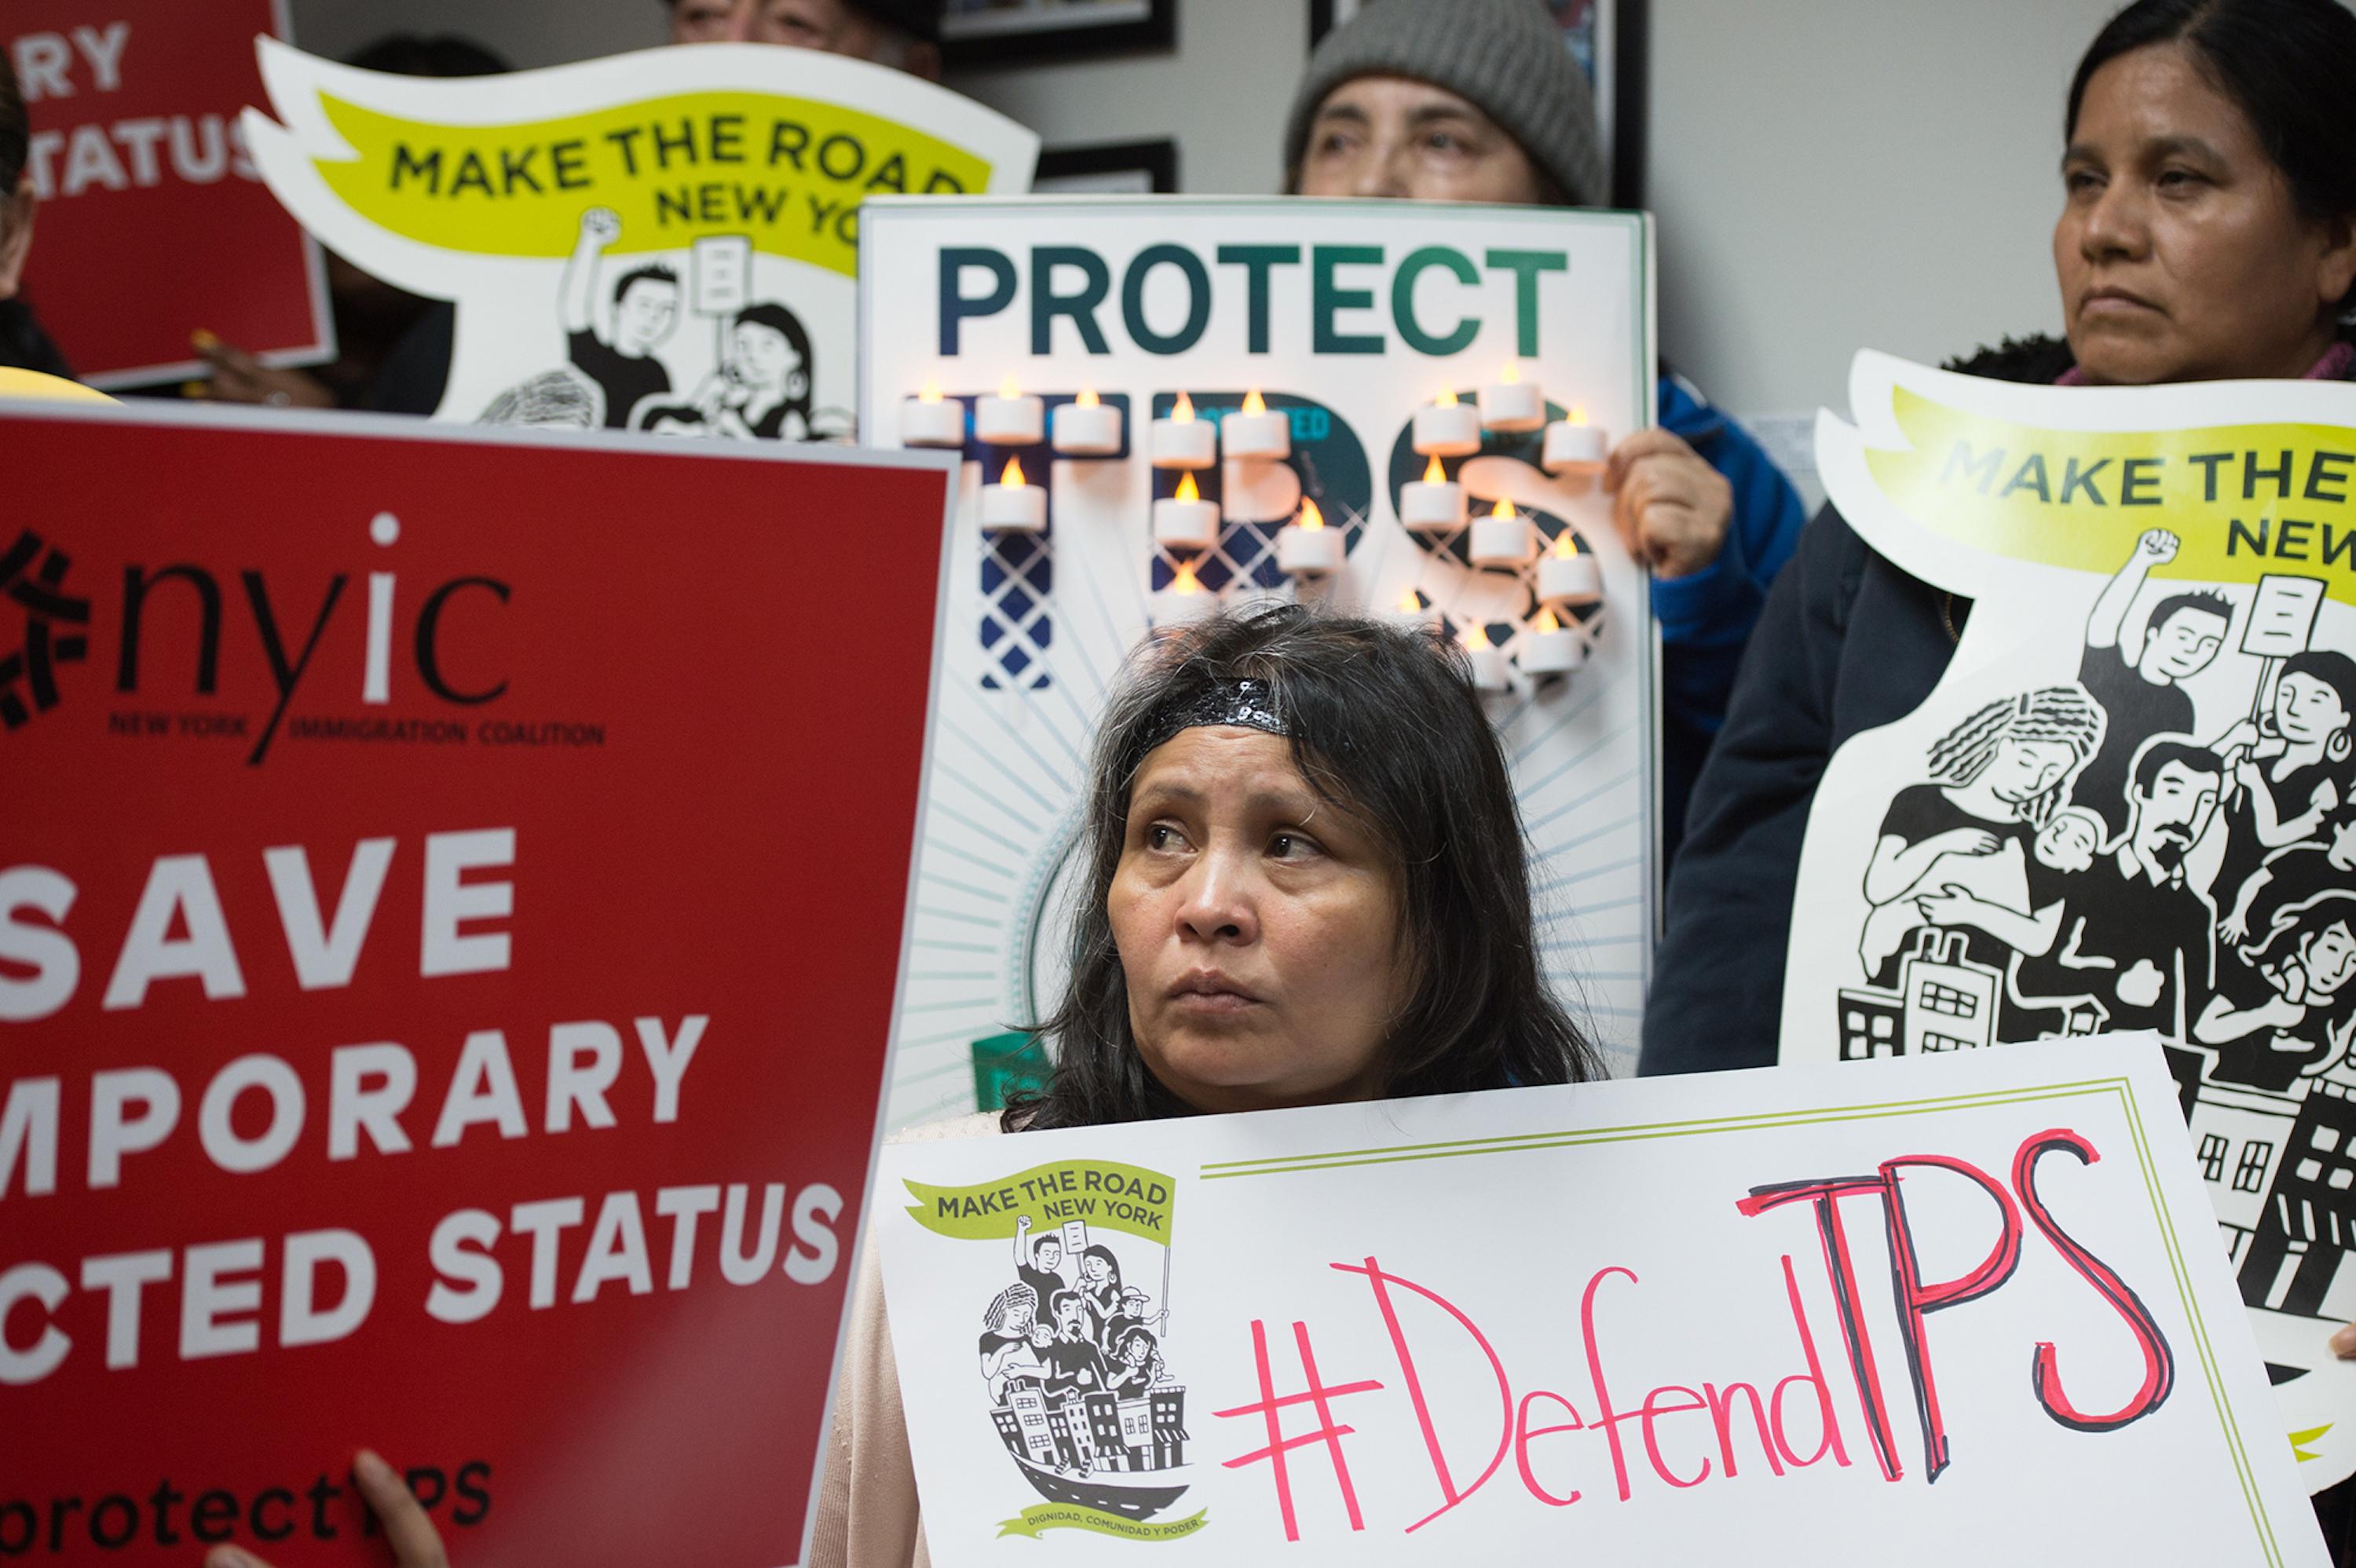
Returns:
(797,384)
(2339,746)
(16,233)
(2335,269)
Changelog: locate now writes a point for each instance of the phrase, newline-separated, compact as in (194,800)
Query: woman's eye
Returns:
(1162,835)
(2180,179)
(1292,845)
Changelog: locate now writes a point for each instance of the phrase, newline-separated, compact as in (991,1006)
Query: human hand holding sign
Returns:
(1672,507)
(414,1542)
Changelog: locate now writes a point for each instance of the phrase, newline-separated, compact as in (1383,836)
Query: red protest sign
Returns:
(152,222)
(450,896)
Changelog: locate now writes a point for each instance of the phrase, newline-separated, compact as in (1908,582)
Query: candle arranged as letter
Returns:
(1084,427)
(931,420)
(1567,576)
(1509,404)
(1010,418)
(1550,647)
(1254,433)
(1184,600)
(1500,539)
(1182,441)
(1489,666)
(1432,504)
(1308,547)
(1186,521)
(1012,505)
(1574,447)
(1447,429)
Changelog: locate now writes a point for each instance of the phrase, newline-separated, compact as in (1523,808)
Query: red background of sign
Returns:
(121,277)
(739,847)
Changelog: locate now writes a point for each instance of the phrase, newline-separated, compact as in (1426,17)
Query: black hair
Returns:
(778,319)
(15,129)
(2287,65)
(444,54)
(2334,669)
(1384,725)
(652,273)
(2158,753)
(1062,1300)
(2207,601)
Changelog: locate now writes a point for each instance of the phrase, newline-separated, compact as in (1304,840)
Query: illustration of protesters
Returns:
(1137,1362)
(1012,1339)
(2064,847)
(562,399)
(1100,1284)
(1074,1365)
(646,309)
(2291,1012)
(2286,777)
(1040,1264)
(761,392)
(2293,876)
(1132,1313)
(1995,778)
(2135,933)
(2135,676)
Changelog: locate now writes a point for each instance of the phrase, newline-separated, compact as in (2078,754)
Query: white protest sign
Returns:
(2128,802)
(1308,340)
(1967,1311)
(664,240)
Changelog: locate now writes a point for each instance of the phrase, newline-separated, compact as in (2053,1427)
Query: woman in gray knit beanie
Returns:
(1481,101)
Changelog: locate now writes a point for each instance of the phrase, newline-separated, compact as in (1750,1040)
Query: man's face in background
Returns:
(835,26)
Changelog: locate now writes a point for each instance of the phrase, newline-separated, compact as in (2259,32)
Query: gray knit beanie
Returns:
(1507,58)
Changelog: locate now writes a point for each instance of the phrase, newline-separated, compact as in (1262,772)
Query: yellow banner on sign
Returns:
(788,171)
(2245,501)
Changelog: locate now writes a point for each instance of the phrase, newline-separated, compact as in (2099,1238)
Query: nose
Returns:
(740,22)
(2119,228)
(1384,172)
(1216,906)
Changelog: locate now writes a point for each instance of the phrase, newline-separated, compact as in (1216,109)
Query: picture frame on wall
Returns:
(1116,168)
(1607,37)
(1001,32)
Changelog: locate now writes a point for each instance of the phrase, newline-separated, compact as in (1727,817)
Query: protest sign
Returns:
(2129,802)
(1966,1311)
(1252,413)
(154,220)
(666,241)
(445,966)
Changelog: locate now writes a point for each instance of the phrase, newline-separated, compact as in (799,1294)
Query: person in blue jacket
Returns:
(1482,101)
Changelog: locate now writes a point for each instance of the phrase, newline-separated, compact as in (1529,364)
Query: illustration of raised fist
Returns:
(601,224)
(2158,546)
(2140,986)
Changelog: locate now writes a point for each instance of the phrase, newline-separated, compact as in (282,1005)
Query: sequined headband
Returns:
(1250,704)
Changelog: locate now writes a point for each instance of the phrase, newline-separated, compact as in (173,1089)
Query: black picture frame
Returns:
(1011,32)
(1623,28)
(1139,168)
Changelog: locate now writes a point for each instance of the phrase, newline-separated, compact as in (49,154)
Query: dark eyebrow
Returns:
(1430,112)
(2157,147)
(1349,112)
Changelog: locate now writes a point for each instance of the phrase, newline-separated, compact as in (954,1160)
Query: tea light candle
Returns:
(1447,429)
(1184,600)
(1086,427)
(1500,539)
(1508,404)
(1550,647)
(931,420)
(1574,447)
(1308,547)
(1012,505)
(1182,441)
(1254,433)
(1490,671)
(1010,418)
(1432,504)
(1414,614)
(1567,576)
(1186,521)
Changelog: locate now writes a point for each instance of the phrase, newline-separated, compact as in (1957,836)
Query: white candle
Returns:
(1012,505)
(1186,521)
(1087,428)
(1510,404)
(1182,441)
(1254,433)
(1447,429)
(1550,647)
(1184,600)
(1500,539)
(931,420)
(1010,418)
(1413,614)
(1574,447)
(1567,576)
(1490,671)
(1433,504)
(1308,547)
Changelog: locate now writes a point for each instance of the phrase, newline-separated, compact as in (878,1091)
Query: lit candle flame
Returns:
(1433,473)
(1185,581)
(1546,623)
(1012,477)
(1511,375)
(1579,413)
(1188,490)
(932,392)
(1184,412)
(1409,604)
(1476,638)
(1007,389)
(1311,519)
(1565,547)
(1447,397)
(1504,509)
(1087,399)
(1252,404)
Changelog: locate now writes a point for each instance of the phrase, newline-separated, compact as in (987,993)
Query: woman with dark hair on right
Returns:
(2208,232)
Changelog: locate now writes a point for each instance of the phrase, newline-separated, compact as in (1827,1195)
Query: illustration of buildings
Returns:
(2308,1222)
(2238,1133)
(1945,1001)
(1147,1433)
(1869,1021)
